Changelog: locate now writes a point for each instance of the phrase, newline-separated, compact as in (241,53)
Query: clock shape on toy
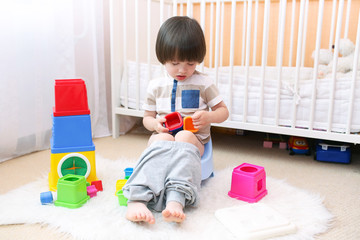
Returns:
(74,163)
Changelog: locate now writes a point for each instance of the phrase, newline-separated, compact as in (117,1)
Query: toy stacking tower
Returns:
(72,148)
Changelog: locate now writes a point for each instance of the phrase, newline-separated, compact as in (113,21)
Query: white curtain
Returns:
(44,40)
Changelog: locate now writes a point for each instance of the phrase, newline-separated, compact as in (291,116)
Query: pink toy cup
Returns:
(248,183)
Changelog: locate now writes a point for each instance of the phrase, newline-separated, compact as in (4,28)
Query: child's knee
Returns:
(185,136)
(189,137)
(160,137)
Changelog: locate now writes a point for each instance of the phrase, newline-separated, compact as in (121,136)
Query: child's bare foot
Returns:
(138,212)
(174,212)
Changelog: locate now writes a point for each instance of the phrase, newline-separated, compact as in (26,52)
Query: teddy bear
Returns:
(325,57)
(344,63)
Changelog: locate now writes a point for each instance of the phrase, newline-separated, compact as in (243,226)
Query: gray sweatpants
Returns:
(166,171)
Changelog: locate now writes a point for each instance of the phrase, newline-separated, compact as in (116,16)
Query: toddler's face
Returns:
(180,70)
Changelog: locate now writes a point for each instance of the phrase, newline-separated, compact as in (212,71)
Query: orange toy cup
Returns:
(188,125)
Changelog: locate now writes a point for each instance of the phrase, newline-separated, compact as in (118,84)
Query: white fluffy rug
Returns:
(102,217)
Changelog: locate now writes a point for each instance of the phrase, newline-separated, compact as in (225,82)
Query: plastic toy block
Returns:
(120,184)
(122,200)
(97,184)
(267,144)
(46,198)
(91,191)
(71,133)
(71,191)
(188,124)
(70,97)
(282,145)
(248,183)
(128,172)
(174,122)
(79,163)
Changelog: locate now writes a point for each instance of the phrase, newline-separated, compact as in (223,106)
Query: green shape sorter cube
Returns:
(71,191)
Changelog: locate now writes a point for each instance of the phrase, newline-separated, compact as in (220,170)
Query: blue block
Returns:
(72,132)
(128,172)
(337,153)
(46,198)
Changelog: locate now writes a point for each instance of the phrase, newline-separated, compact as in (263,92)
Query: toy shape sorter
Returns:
(72,191)
(248,183)
(72,148)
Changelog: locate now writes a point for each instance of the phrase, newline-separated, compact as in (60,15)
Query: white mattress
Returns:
(287,95)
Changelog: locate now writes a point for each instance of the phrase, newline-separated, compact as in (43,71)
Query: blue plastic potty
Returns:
(207,166)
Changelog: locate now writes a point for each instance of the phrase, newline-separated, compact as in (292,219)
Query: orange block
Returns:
(188,125)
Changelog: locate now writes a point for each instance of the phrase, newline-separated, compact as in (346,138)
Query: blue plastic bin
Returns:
(330,152)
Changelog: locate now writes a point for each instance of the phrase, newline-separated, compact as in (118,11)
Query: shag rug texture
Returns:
(103,218)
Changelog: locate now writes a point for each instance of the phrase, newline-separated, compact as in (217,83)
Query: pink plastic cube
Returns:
(248,183)
(91,190)
(282,145)
(267,144)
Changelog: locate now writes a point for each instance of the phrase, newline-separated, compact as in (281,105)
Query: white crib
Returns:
(259,55)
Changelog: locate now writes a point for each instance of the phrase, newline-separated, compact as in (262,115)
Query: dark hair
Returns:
(180,38)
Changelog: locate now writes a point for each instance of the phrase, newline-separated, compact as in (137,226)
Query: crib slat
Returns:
(232,50)
(305,33)
(211,35)
(298,62)
(316,63)
(137,60)
(181,9)
(247,63)
(332,27)
(125,54)
(222,33)
(335,61)
(255,31)
(347,17)
(217,32)
(280,54)
(264,57)
(243,34)
(202,24)
(189,12)
(293,8)
(353,83)
(174,13)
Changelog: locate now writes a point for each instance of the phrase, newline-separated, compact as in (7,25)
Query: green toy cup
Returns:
(122,200)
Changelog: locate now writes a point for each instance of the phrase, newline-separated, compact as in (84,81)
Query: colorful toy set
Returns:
(248,183)
(72,148)
(72,163)
(175,123)
(332,152)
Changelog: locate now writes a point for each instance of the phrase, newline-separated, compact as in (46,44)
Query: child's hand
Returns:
(201,119)
(159,127)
